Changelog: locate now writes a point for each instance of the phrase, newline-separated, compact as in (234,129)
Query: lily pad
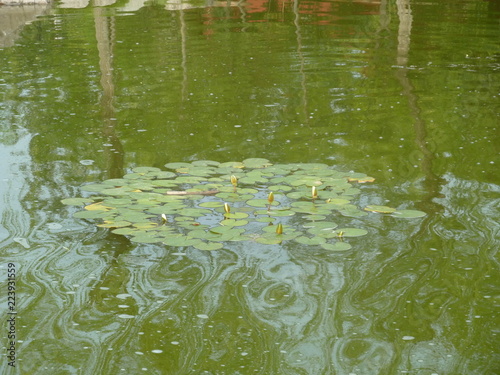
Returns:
(205,235)
(232,164)
(256,163)
(114,224)
(180,240)
(350,232)
(116,182)
(137,176)
(145,225)
(408,214)
(194,212)
(99,206)
(350,210)
(177,165)
(337,246)
(164,183)
(338,201)
(280,213)
(205,163)
(236,215)
(380,209)
(145,169)
(234,223)
(161,175)
(275,240)
(314,217)
(321,225)
(310,240)
(323,232)
(283,188)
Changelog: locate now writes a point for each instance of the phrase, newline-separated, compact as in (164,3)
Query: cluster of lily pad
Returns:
(206,203)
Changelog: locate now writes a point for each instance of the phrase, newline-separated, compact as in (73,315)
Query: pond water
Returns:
(404,91)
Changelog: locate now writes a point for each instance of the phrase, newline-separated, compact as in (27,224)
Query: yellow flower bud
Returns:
(314,192)
(270,197)
(279,229)
(234,180)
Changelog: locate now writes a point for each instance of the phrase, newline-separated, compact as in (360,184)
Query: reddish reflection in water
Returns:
(314,12)
(317,8)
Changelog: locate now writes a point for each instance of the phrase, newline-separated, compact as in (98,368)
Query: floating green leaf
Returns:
(136,176)
(256,163)
(180,240)
(177,165)
(408,214)
(145,225)
(234,223)
(338,201)
(337,246)
(283,188)
(281,213)
(350,232)
(194,212)
(321,225)
(145,169)
(232,165)
(314,217)
(310,240)
(322,232)
(350,210)
(236,215)
(205,163)
(380,209)
(114,224)
(269,240)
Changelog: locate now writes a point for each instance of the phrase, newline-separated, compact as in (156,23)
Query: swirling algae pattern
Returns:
(417,298)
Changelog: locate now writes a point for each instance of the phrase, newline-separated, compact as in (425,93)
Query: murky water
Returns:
(407,92)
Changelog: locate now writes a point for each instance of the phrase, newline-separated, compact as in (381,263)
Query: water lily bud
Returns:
(226,208)
(314,192)
(270,197)
(234,180)
(279,229)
